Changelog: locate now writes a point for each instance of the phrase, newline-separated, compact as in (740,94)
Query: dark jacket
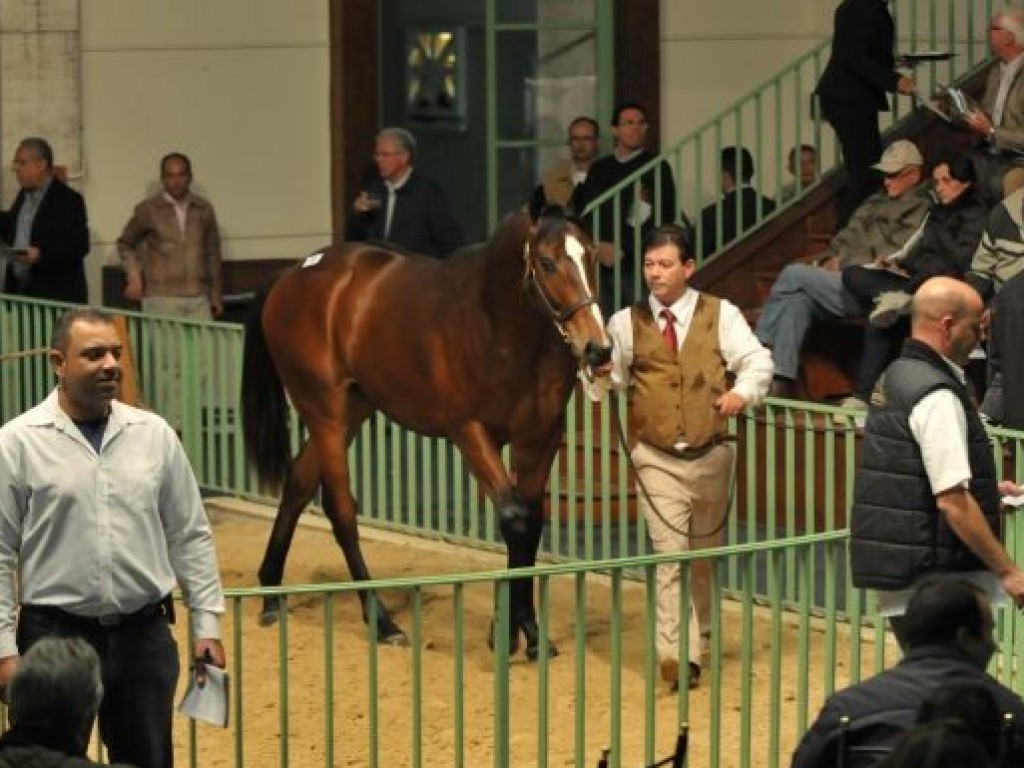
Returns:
(60,231)
(897,531)
(881,708)
(746,201)
(20,748)
(861,69)
(949,239)
(606,173)
(422,221)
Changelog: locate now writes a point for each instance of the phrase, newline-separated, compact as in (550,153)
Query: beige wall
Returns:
(239,85)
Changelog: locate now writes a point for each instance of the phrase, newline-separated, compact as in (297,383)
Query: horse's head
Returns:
(560,265)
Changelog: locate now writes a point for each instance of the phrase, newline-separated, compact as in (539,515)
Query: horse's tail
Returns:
(264,405)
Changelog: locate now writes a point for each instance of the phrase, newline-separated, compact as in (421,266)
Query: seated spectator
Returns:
(948,633)
(52,700)
(562,181)
(999,125)
(804,175)
(997,263)
(403,206)
(880,226)
(944,245)
(940,744)
(972,706)
(740,207)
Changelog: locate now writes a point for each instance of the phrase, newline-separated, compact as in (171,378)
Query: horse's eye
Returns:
(548,265)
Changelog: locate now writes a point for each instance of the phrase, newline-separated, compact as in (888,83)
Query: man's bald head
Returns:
(950,317)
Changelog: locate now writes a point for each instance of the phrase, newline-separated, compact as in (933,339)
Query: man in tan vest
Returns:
(672,351)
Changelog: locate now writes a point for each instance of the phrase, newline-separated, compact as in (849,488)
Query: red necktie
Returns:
(668,333)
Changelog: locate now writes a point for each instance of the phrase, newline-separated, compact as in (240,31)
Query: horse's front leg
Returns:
(521,521)
(532,464)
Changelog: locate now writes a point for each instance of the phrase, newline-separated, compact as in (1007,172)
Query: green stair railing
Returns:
(779,114)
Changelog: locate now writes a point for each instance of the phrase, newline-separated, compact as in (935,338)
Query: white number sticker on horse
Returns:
(312,260)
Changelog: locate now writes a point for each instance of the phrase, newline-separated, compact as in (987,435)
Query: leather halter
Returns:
(558,318)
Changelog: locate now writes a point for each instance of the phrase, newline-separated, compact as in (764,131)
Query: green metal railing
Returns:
(783,568)
(779,115)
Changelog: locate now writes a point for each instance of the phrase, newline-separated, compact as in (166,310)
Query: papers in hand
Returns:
(953,105)
(210,702)
(1014,501)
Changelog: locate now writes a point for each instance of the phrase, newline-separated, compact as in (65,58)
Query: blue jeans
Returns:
(801,293)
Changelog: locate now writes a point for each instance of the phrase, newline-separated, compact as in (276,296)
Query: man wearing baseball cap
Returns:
(804,292)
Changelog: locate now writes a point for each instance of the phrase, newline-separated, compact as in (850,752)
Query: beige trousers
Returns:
(691,495)
(169,387)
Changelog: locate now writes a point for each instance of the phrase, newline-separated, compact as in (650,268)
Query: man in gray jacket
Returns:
(804,292)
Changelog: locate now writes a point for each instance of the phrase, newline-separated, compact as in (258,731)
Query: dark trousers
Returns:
(1005,348)
(856,127)
(140,672)
(881,345)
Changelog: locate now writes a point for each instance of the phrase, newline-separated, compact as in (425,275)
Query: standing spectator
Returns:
(881,225)
(170,248)
(674,351)
(944,245)
(53,700)
(740,207)
(948,635)
(854,88)
(403,206)
(100,517)
(1000,124)
(635,211)
(47,224)
(562,182)
(803,169)
(926,497)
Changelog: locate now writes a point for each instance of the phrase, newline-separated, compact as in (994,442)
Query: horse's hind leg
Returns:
(298,491)
(340,505)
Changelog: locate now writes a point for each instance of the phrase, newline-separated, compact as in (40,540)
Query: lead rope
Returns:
(650,501)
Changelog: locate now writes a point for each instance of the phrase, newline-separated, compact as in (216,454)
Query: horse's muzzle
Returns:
(596,355)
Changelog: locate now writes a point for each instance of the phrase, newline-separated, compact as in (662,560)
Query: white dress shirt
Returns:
(101,532)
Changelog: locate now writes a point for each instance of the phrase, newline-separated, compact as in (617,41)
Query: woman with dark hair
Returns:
(944,245)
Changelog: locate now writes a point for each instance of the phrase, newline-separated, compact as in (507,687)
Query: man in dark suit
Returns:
(47,228)
(740,202)
(403,206)
(853,90)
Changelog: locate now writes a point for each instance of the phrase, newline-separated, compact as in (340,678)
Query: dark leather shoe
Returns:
(694,675)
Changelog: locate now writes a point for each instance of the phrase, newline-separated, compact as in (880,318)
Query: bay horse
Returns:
(482,349)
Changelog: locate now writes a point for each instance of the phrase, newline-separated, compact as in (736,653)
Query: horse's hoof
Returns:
(513,638)
(396,639)
(532,633)
(533,651)
(268,617)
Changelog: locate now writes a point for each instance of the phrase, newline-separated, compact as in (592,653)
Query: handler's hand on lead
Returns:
(730,404)
(207,650)
(1013,583)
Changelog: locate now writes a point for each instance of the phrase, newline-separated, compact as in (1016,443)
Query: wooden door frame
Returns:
(354,85)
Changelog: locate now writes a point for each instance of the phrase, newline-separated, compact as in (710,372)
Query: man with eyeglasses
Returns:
(46,230)
(1001,125)
(403,206)
(880,226)
(631,214)
(563,181)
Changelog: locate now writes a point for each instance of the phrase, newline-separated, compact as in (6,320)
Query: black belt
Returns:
(107,622)
(690,453)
